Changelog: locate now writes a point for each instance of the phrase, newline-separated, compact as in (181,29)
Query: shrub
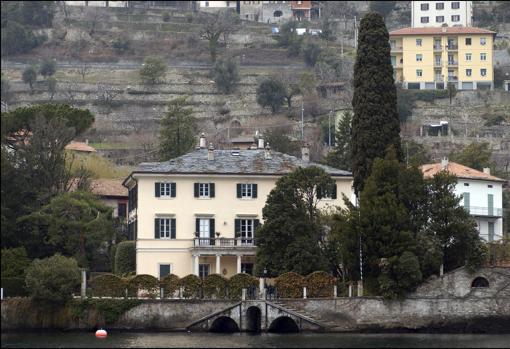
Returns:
(14,262)
(319,284)
(311,53)
(125,258)
(165,16)
(108,285)
(143,284)
(192,285)
(238,282)
(53,279)
(170,284)
(109,309)
(215,286)
(271,93)
(153,70)
(121,45)
(48,67)
(494,120)
(225,75)
(29,76)
(290,285)
(14,286)
(17,39)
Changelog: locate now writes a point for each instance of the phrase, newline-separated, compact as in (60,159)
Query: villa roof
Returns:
(440,31)
(458,170)
(247,162)
(80,146)
(108,187)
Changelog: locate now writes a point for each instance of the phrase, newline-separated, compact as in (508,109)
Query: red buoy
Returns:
(101,333)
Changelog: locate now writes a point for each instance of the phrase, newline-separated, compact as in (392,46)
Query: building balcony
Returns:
(438,64)
(226,244)
(438,79)
(485,211)
(438,48)
(453,78)
(452,47)
(397,49)
(453,63)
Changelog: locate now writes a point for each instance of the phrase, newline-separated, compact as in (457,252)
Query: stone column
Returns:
(83,283)
(360,288)
(238,263)
(195,264)
(218,266)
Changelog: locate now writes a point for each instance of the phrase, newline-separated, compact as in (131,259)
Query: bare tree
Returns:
(215,26)
(106,93)
(70,90)
(291,82)
(94,16)
(83,69)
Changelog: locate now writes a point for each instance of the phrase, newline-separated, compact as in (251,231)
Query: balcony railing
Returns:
(438,48)
(452,47)
(453,63)
(397,49)
(453,78)
(224,242)
(437,63)
(485,211)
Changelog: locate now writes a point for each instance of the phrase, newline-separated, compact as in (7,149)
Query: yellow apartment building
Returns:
(197,214)
(432,58)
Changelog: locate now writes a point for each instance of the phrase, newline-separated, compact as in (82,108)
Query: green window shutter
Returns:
(196,190)
(212,229)
(172,230)
(491,231)
(237,227)
(334,192)
(254,191)
(238,190)
(256,223)
(156,228)
(211,188)
(490,204)
(197,226)
(157,189)
(173,189)
(467,204)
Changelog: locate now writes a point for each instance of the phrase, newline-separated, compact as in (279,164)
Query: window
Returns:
(132,198)
(439,6)
(246,191)
(483,56)
(121,209)
(204,190)
(418,42)
(468,72)
(468,56)
(165,228)
(455,18)
(419,72)
(439,19)
(207,4)
(483,41)
(327,193)
(203,270)
(424,19)
(483,72)
(205,230)
(247,268)
(489,186)
(455,5)
(164,270)
(468,41)
(165,190)
(419,58)
(245,230)
(424,7)
(480,282)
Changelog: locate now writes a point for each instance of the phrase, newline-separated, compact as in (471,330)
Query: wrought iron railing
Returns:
(224,242)
(485,211)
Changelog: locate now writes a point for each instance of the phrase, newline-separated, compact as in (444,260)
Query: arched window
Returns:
(278,13)
(480,282)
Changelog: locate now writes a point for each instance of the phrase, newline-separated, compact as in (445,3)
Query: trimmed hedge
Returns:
(170,284)
(145,284)
(192,285)
(238,282)
(215,286)
(14,287)
(125,258)
(290,285)
(108,285)
(319,284)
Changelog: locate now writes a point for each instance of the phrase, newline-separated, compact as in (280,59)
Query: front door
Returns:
(204,232)
(203,270)
(247,231)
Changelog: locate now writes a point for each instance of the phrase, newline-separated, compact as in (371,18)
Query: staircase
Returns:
(326,324)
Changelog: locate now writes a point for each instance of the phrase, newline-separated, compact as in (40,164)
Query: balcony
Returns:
(438,48)
(223,243)
(452,47)
(438,79)
(453,78)
(396,49)
(453,63)
(485,211)
(437,64)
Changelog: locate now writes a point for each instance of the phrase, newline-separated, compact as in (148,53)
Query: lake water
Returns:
(210,340)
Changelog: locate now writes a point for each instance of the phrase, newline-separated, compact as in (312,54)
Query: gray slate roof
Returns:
(248,162)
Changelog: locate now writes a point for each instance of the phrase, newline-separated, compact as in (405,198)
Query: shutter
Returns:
(157,189)
(334,192)
(173,189)
(237,226)
(156,228)
(197,226)
(256,223)
(196,191)
(211,188)
(238,190)
(212,230)
(254,191)
(172,228)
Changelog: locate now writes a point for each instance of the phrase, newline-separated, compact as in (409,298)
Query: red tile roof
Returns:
(80,146)
(440,31)
(108,187)
(458,170)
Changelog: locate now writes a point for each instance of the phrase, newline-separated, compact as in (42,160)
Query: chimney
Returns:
(444,163)
(210,153)
(267,152)
(487,170)
(305,153)
(261,142)
(202,143)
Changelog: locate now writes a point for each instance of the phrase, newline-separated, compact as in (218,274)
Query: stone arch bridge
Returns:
(256,316)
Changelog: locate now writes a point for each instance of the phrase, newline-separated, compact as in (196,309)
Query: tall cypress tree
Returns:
(375,125)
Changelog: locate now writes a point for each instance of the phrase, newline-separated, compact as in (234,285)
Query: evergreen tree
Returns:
(375,124)
(340,157)
(271,93)
(292,237)
(226,75)
(177,134)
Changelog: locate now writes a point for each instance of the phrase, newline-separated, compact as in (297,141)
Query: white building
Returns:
(482,195)
(217,5)
(437,13)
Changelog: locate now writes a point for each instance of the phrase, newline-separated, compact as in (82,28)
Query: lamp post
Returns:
(265,275)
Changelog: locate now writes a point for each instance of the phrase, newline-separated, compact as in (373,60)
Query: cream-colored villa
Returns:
(198,213)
